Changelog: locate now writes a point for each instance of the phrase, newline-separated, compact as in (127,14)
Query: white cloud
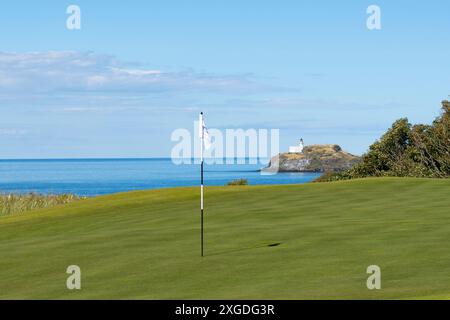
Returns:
(12,132)
(64,71)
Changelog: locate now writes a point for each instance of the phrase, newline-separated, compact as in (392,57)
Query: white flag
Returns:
(203,133)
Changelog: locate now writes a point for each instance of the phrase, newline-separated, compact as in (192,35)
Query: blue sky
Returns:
(137,70)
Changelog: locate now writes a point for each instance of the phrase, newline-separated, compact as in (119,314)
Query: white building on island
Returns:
(297,149)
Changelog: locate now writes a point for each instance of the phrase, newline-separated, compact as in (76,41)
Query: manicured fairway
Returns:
(145,245)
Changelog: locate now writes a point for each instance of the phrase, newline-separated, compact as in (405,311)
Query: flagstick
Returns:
(201,206)
(201,184)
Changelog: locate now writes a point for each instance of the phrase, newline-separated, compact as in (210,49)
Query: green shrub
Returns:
(329,176)
(238,182)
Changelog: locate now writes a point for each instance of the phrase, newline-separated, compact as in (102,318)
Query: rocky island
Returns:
(313,158)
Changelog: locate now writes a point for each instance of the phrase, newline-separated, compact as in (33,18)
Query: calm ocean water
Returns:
(91,177)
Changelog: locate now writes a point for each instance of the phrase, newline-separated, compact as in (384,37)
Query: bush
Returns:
(238,182)
(329,176)
(406,150)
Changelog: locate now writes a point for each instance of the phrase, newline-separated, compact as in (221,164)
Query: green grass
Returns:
(145,245)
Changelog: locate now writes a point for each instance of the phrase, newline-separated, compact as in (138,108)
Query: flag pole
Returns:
(201,182)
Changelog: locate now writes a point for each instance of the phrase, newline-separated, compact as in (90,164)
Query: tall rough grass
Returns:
(11,204)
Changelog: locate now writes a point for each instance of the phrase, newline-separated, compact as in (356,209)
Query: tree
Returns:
(407,150)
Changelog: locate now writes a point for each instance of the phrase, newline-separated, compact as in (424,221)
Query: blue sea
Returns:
(90,177)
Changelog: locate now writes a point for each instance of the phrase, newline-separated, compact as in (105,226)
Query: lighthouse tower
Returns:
(301,145)
(297,149)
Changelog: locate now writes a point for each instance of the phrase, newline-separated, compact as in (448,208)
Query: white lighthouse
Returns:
(297,149)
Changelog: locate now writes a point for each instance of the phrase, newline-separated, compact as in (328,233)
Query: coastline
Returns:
(91,177)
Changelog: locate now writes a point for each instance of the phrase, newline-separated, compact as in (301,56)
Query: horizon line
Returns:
(116,158)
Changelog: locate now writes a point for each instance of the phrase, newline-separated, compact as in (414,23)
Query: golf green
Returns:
(310,241)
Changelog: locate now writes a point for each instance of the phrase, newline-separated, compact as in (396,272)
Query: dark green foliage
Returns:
(329,176)
(406,150)
(238,182)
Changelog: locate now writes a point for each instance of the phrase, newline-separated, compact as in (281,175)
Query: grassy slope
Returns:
(146,244)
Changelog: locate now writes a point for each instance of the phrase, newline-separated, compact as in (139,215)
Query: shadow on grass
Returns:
(271,245)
